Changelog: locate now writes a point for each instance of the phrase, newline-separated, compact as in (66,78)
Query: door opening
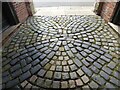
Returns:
(9,17)
(116,16)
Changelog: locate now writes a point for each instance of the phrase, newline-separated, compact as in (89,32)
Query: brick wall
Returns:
(108,10)
(21,10)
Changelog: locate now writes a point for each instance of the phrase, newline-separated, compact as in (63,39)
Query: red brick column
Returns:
(108,10)
(21,10)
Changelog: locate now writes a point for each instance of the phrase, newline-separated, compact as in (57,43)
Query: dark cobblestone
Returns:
(96,54)
(96,46)
(85,62)
(107,70)
(104,75)
(73,50)
(32,52)
(15,55)
(105,59)
(79,48)
(101,61)
(85,46)
(98,79)
(93,56)
(87,71)
(87,51)
(94,69)
(11,54)
(89,59)
(112,65)
(70,54)
(78,62)
(28,60)
(45,61)
(42,56)
(23,51)
(100,52)
(41,72)
(23,56)
(39,46)
(31,49)
(6,79)
(79,56)
(12,83)
(5,73)
(35,69)
(23,63)
(6,62)
(35,62)
(14,61)
(91,48)
(97,65)
(84,54)
(114,81)
(24,76)
(66,47)
(26,68)
(15,67)
(51,55)
(56,48)
(36,55)
(109,85)
(16,73)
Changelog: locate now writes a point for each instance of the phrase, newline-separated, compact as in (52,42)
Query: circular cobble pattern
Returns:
(62,52)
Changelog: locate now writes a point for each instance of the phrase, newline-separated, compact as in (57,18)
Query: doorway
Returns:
(116,16)
(9,17)
(5,23)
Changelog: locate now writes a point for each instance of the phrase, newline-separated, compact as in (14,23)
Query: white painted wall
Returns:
(64,0)
(52,3)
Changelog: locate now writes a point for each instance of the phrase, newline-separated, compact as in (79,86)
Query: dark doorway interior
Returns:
(116,16)
(5,22)
(9,16)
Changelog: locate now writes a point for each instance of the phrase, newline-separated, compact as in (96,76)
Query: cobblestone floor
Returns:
(62,52)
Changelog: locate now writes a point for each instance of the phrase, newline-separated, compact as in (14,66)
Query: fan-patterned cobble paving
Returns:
(62,52)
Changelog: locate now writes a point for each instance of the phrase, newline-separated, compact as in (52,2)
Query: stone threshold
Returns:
(7,34)
(115,27)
